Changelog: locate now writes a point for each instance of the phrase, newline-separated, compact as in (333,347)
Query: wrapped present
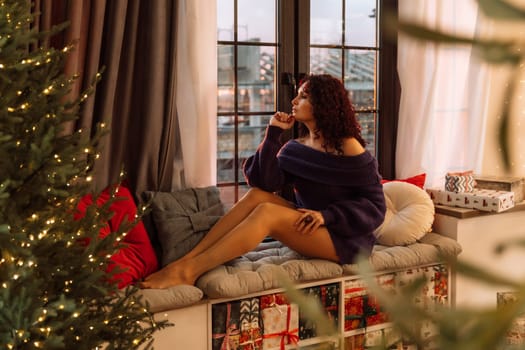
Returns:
(250,321)
(484,200)
(355,291)
(328,296)
(355,342)
(392,338)
(361,309)
(516,333)
(460,181)
(226,326)
(441,284)
(281,326)
(373,339)
(271,300)
(502,183)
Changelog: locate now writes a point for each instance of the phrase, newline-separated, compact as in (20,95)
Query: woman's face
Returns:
(302,109)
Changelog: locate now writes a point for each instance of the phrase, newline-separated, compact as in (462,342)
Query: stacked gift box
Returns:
(466,190)
(280,320)
(362,310)
(226,326)
(328,296)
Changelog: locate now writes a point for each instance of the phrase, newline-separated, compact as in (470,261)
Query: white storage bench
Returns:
(202,320)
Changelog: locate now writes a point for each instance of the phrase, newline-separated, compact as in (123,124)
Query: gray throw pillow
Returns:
(182,218)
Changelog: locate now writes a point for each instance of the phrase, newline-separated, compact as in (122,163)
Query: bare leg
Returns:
(233,217)
(266,219)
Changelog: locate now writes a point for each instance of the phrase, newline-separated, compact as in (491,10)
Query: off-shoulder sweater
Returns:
(346,190)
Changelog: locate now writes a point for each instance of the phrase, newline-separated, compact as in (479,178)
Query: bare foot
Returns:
(169,276)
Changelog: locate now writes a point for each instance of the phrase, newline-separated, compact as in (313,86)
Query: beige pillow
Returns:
(409,214)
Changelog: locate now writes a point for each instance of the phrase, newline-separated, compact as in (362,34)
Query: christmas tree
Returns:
(55,292)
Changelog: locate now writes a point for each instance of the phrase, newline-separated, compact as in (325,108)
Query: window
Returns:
(265,46)
(343,43)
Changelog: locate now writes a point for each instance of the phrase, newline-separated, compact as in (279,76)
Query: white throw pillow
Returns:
(409,214)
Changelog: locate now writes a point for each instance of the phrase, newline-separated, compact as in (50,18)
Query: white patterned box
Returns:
(480,199)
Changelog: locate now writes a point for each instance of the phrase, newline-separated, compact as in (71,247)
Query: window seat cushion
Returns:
(261,269)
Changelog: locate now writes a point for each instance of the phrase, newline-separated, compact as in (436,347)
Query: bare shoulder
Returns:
(352,147)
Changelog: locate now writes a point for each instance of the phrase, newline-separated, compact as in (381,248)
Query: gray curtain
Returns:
(134,42)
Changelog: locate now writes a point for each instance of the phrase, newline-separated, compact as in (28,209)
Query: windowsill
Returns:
(464,213)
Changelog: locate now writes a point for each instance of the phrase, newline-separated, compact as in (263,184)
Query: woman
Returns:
(339,198)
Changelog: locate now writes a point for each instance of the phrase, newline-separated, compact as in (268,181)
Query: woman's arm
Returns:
(262,169)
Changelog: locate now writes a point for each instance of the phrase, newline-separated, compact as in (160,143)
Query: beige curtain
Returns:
(135,42)
(439,129)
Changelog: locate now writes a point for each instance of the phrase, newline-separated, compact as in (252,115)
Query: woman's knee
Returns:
(270,214)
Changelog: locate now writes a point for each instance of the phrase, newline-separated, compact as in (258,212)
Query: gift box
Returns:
(460,182)
(226,326)
(502,183)
(280,325)
(480,199)
(354,304)
(271,300)
(516,334)
(361,309)
(440,281)
(328,297)
(251,328)
(355,342)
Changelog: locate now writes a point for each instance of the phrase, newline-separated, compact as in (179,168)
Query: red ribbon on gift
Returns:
(229,331)
(291,335)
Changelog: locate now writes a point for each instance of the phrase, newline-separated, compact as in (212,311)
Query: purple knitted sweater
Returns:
(345,189)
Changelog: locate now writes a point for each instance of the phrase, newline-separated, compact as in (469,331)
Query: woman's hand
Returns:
(309,221)
(282,120)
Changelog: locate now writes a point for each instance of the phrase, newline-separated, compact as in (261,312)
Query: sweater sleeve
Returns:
(262,169)
(358,216)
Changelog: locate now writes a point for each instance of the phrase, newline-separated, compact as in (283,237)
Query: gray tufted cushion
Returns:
(182,218)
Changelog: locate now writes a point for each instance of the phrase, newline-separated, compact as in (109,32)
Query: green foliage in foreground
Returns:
(54,293)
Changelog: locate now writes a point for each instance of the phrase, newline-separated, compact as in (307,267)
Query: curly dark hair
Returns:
(333,111)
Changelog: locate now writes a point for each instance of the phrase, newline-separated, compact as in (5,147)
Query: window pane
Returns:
(251,133)
(368,130)
(360,23)
(326,61)
(256,76)
(326,22)
(225,20)
(225,149)
(256,21)
(225,78)
(360,78)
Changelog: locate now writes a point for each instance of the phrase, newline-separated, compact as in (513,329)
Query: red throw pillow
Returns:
(137,258)
(418,180)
